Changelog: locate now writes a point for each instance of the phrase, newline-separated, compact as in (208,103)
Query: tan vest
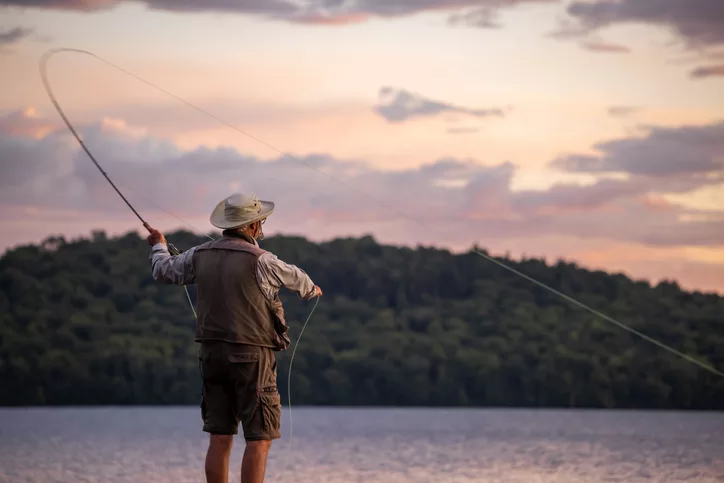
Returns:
(230,305)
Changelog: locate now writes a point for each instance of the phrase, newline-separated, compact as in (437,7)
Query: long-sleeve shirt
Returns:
(271,272)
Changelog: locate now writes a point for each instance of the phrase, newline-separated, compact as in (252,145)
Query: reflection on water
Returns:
(164,445)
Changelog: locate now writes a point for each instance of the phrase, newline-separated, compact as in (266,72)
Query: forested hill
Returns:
(83,322)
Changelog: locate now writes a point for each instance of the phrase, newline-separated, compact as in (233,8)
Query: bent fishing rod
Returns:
(43,74)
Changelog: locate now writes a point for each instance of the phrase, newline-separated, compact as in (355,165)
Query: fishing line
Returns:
(164,209)
(382,202)
(289,380)
(172,249)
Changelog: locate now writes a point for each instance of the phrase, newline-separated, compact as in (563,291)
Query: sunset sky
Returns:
(586,130)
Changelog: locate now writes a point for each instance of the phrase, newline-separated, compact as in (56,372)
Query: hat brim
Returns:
(218,219)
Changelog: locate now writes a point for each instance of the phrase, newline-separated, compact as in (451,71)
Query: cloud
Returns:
(52,179)
(708,71)
(26,122)
(331,19)
(621,111)
(605,47)
(588,39)
(14,35)
(398,105)
(686,154)
(25,161)
(9,39)
(480,18)
(699,23)
(572,198)
(480,14)
(313,12)
(463,130)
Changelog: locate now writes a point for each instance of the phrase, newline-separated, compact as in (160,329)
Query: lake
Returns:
(165,444)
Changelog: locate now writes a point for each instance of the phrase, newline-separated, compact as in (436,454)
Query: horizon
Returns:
(589,131)
(454,252)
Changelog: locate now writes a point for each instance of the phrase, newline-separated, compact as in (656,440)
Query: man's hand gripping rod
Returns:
(156,236)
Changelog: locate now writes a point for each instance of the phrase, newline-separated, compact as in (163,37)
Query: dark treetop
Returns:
(83,322)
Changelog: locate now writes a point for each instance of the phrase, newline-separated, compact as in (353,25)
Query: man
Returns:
(240,323)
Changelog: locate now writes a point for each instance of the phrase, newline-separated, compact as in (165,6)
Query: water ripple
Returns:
(331,445)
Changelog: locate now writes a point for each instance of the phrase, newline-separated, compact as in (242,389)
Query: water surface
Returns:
(165,444)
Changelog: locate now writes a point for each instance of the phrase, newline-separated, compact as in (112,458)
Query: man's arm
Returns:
(177,270)
(275,274)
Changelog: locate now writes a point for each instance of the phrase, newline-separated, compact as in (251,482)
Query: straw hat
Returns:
(238,210)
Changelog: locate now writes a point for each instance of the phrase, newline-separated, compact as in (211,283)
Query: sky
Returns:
(590,131)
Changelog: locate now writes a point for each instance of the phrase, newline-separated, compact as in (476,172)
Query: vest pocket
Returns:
(242,357)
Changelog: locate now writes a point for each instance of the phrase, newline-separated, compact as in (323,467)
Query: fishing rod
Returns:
(51,95)
(43,74)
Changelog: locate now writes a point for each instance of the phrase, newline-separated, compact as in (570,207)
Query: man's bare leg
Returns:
(253,465)
(217,458)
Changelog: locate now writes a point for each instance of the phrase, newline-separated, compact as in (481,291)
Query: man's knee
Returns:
(260,445)
(221,442)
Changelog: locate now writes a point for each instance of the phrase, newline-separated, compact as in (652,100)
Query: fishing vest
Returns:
(230,305)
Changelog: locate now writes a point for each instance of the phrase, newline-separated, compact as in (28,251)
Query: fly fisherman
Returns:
(240,323)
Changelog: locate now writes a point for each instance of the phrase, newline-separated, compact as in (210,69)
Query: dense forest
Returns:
(83,322)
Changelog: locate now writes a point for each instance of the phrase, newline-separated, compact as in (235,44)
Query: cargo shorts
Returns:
(239,386)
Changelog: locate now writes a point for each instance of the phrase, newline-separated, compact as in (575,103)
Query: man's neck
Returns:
(240,234)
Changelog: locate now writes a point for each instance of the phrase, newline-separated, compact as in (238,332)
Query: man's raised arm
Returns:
(168,269)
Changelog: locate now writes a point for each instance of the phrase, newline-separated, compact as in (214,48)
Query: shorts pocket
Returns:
(243,369)
(271,407)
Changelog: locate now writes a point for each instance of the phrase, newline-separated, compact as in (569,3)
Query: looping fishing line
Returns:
(383,203)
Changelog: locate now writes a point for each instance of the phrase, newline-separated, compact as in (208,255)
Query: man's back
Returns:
(231,305)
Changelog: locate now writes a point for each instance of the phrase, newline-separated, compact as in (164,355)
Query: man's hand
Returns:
(154,236)
(317,291)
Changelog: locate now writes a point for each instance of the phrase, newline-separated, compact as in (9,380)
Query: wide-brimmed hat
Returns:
(240,209)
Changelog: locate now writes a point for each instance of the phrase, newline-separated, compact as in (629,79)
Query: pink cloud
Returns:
(27,122)
(462,200)
(335,19)
(605,47)
(657,203)
(467,189)
(708,71)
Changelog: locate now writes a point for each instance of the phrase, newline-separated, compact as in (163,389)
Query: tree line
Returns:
(83,322)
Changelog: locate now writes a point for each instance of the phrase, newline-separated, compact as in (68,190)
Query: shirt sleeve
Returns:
(274,274)
(177,270)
